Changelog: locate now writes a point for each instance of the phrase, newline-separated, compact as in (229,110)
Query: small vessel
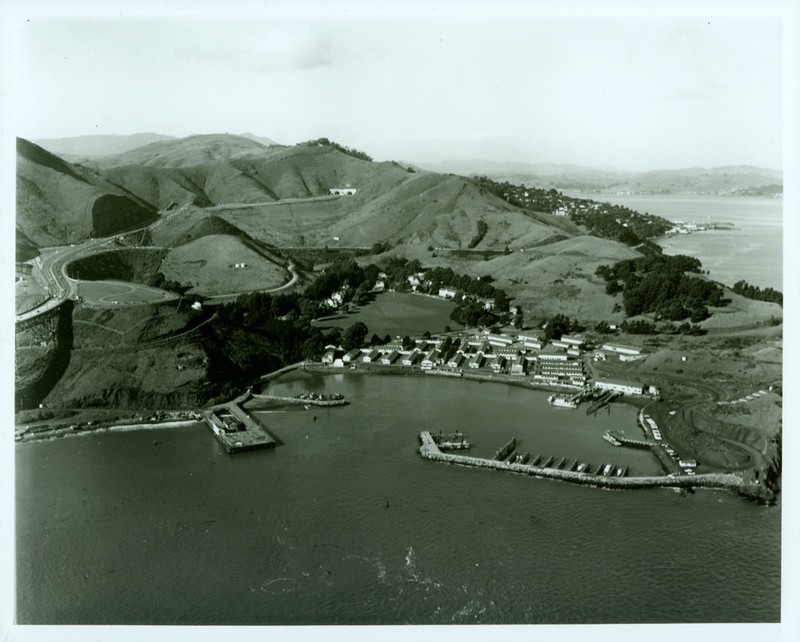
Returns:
(611,439)
(562,402)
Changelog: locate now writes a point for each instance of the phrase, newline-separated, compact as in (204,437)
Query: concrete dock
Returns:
(240,432)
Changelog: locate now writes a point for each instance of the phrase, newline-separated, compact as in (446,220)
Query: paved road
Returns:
(222,298)
(52,264)
(284,201)
(53,261)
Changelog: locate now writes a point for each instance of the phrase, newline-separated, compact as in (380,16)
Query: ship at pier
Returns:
(562,402)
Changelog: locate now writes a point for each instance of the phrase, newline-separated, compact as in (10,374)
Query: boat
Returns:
(562,402)
(612,440)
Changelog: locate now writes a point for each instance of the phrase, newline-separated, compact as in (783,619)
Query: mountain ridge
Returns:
(99,145)
(722,180)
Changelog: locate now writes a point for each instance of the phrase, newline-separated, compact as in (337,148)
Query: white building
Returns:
(519,366)
(476,361)
(619,349)
(446,293)
(498,364)
(530,341)
(342,191)
(456,361)
(613,385)
(354,354)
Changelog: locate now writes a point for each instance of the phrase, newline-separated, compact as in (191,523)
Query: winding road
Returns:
(52,268)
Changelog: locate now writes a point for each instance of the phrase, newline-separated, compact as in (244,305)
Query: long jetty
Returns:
(726,481)
(300,401)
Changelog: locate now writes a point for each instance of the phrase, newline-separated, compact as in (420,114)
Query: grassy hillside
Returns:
(59,203)
(208,265)
(210,170)
(192,223)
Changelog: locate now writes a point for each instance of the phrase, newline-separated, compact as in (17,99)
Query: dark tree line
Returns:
(482,229)
(743,288)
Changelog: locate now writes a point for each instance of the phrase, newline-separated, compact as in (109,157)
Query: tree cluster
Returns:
(559,325)
(743,288)
(664,286)
(350,151)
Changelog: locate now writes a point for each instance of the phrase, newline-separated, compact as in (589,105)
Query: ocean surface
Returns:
(753,251)
(344,523)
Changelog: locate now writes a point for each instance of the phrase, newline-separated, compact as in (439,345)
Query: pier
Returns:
(628,441)
(658,448)
(615,478)
(506,450)
(301,401)
(606,399)
(240,431)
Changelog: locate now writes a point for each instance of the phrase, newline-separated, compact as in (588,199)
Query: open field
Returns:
(118,293)
(398,314)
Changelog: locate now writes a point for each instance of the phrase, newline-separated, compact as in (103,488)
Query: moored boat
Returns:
(562,402)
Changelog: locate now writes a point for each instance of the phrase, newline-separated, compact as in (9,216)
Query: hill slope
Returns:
(216,169)
(58,202)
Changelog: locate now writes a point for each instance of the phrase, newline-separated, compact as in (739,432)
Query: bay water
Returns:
(753,251)
(344,523)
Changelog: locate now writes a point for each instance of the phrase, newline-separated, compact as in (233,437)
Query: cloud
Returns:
(271,50)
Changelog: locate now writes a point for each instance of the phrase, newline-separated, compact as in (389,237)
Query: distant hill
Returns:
(80,147)
(737,180)
(59,202)
(97,145)
(259,139)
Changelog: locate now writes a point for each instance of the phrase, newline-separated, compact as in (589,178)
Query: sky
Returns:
(620,90)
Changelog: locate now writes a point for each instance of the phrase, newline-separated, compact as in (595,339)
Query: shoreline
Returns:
(61,433)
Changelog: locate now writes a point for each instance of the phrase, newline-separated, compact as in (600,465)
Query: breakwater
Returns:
(297,401)
(726,481)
